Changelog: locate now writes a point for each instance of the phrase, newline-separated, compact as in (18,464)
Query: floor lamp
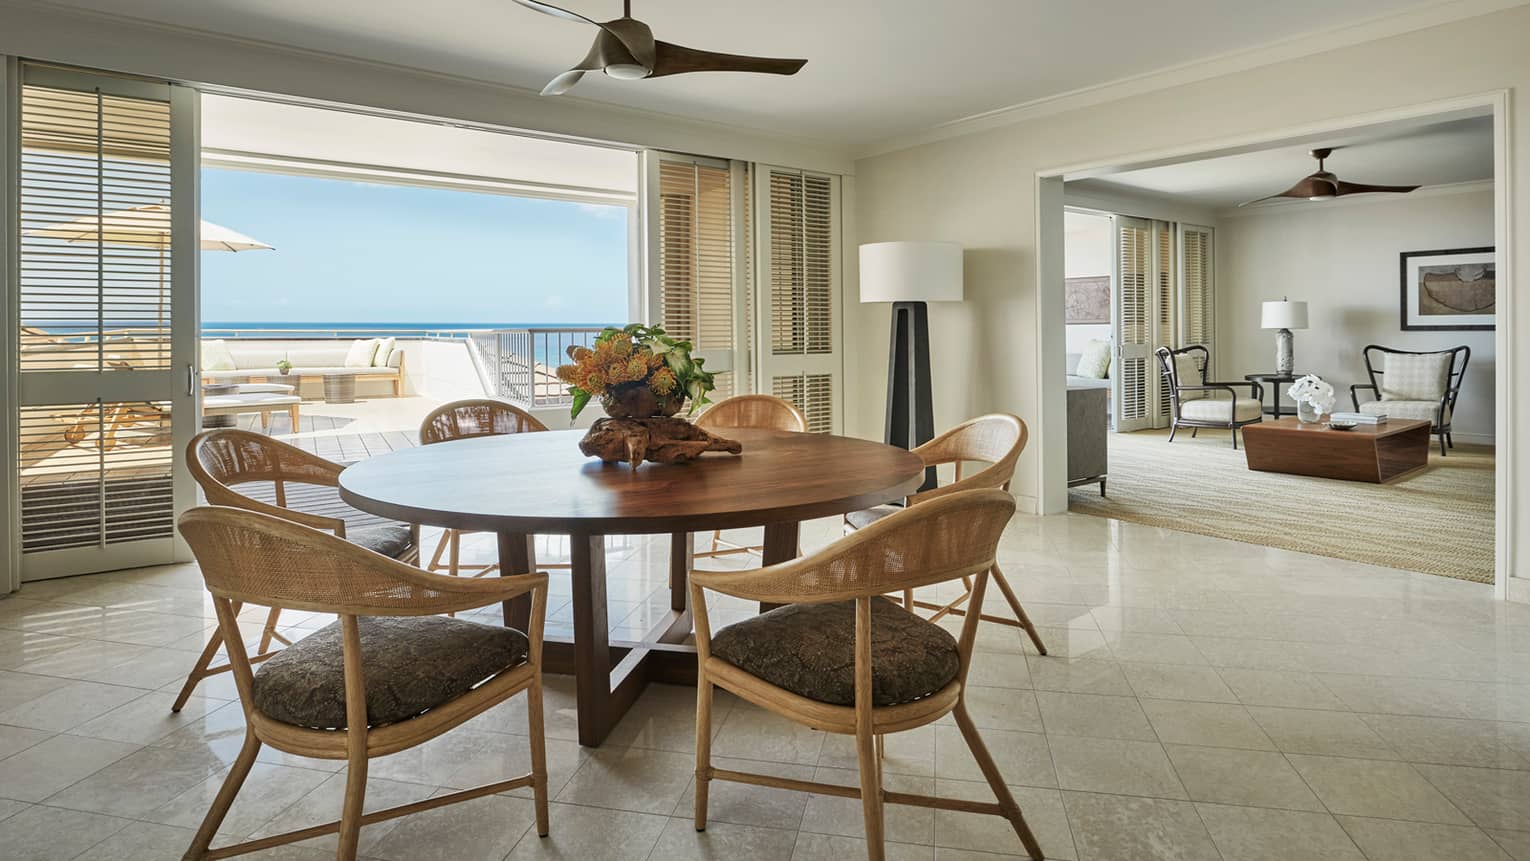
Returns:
(910,275)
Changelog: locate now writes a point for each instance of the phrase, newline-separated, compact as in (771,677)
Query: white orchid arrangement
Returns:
(1314,392)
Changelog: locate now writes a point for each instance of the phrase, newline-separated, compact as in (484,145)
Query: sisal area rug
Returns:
(1437,521)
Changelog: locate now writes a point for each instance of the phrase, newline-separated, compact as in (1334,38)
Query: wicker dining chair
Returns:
(466,419)
(242,469)
(841,658)
(996,441)
(388,675)
(747,411)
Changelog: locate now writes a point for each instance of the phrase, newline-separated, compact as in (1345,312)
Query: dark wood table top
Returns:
(1274,377)
(1296,426)
(541,483)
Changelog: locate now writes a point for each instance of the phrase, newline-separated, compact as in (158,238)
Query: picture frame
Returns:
(1448,290)
(1087,300)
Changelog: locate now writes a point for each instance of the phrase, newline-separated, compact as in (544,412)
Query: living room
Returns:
(1335,274)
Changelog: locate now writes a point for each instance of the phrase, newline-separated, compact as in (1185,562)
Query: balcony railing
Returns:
(521,364)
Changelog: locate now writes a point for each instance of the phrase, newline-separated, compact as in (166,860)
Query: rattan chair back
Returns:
(476,417)
(995,440)
(754,411)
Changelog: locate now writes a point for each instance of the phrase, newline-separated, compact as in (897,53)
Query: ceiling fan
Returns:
(1323,185)
(626,49)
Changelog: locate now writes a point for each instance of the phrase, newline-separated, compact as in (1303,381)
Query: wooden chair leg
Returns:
(534,720)
(703,749)
(871,794)
(351,808)
(268,633)
(225,798)
(292,417)
(995,780)
(199,669)
(1014,604)
(455,553)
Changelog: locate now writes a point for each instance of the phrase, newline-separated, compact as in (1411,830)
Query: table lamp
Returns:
(910,275)
(1284,315)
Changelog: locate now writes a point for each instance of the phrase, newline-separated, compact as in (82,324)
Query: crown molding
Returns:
(1292,48)
(1294,206)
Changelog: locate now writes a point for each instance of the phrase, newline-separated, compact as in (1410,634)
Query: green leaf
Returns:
(581,397)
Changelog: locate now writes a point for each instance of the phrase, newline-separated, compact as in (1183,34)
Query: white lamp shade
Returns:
(911,272)
(1284,314)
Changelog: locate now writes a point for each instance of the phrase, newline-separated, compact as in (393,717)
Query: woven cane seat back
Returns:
(753,411)
(995,440)
(474,418)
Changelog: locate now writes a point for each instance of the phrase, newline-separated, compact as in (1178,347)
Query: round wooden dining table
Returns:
(521,485)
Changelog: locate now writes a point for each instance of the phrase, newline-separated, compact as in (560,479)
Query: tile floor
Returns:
(1203,700)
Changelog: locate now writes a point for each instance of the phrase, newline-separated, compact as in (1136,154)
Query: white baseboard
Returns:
(1474,438)
(1519,590)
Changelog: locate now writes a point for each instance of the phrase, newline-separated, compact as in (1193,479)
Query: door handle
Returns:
(191,379)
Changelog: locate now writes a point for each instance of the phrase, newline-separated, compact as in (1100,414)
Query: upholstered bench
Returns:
(254,402)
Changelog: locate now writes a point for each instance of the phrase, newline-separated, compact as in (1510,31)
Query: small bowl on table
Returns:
(1342,425)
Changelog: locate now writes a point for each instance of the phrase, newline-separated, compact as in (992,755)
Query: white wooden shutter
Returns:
(106,335)
(1197,305)
(1165,326)
(694,292)
(1131,373)
(798,237)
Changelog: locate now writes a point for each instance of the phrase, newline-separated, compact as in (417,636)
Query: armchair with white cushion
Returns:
(1414,385)
(1196,402)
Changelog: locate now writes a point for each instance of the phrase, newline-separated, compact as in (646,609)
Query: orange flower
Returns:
(662,381)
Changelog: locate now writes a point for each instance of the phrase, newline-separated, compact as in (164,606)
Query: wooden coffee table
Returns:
(1374,453)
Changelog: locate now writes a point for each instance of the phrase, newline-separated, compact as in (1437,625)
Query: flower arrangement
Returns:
(636,371)
(1314,394)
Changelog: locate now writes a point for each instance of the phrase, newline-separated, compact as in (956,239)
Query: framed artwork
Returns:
(1087,300)
(1450,290)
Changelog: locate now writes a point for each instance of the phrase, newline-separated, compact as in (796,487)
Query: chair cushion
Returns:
(392,540)
(361,352)
(1094,362)
(809,649)
(1424,410)
(383,352)
(1415,378)
(411,664)
(863,519)
(1221,410)
(1188,370)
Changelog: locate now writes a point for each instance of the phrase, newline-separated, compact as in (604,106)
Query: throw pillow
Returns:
(360,354)
(216,356)
(1190,373)
(384,350)
(1415,378)
(1094,362)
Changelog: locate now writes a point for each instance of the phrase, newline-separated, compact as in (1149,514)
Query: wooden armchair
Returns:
(747,411)
(841,658)
(1414,385)
(241,469)
(995,441)
(467,419)
(387,676)
(1192,397)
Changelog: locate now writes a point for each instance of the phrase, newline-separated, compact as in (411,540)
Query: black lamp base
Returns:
(910,413)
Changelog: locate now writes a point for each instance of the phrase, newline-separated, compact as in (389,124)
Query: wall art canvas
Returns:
(1087,300)
(1454,289)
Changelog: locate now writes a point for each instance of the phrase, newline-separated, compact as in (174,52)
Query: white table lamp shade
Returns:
(1284,314)
(911,272)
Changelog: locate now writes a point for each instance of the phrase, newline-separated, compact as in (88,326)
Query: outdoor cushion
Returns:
(1424,410)
(809,649)
(396,358)
(1190,373)
(1415,378)
(1220,410)
(391,540)
(863,519)
(302,371)
(216,356)
(410,664)
(383,352)
(360,354)
(1094,362)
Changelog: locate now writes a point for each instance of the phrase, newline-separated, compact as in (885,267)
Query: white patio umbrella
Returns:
(145,227)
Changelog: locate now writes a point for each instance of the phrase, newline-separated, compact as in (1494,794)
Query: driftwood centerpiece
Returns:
(664,439)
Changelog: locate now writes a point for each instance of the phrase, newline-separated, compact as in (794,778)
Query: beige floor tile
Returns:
(14,739)
(1154,648)
(69,706)
(267,791)
(680,841)
(1001,708)
(1118,828)
(909,752)
(483,829)
(1279,688)
(1491,797)
(664,718)
(138,783)
(1369,787)
(643,781)
(749,732)
(1392,840)
(1177,682)
(146,719)
(1255,834)
(1114,766)
(830,814)
(1516,843)
(47,767)
(831,847)
(1208,724)
(1083,676)
(1042,808)
(1256,778)
(141,841)
(1137,620)
(746,804)
(323,805)
(1023,758)
(999,670)
(592,835)
(52,834)
(1448,741)
(1321,732)
(1094,715)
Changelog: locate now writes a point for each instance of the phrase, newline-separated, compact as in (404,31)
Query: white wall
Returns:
(1087,251)
(1342,260)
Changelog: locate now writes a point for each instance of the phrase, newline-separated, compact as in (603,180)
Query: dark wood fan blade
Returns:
(556,11)
(561,84)
(1363,188)
(1309,187)
(676,60)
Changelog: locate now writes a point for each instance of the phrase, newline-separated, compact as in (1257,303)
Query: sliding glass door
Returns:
(103,295)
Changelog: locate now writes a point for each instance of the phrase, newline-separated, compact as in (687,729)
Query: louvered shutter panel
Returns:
(1133,324)
(1197,304)
(1164,329)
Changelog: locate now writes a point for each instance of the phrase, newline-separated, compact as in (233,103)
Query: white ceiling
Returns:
(1437,154)
(877,68)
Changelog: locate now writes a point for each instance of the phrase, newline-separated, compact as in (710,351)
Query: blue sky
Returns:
(360,252)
